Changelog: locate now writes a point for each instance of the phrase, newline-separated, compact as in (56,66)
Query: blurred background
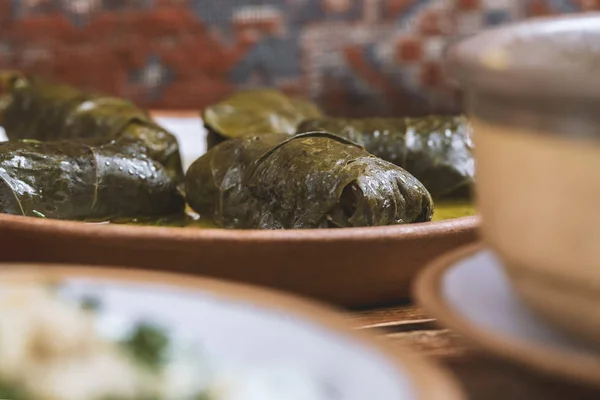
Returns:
(354,57)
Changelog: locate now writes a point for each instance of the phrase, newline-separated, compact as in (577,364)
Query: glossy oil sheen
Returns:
(437,150)
(315,180)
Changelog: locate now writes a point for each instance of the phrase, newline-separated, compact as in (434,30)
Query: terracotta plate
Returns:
(259,335)
(354,267)
(468,291)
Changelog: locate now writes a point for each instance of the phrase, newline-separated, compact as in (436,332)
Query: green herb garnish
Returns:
(148,344)
(90,303)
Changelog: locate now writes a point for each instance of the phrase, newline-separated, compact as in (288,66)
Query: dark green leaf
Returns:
(77,180)
(256,112)
(436,150)
(75,155)
(315,180)
(32,108)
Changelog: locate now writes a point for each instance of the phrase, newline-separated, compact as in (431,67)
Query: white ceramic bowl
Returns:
(252,329)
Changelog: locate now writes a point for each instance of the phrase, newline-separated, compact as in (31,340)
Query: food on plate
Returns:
(56,346)
(79,180)
(32,108)
(51,349)
(437,150)
(82,156)
(255,112)
(73,155)
(312,180)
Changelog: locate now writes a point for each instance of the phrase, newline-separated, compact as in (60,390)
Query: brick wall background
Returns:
(355,57)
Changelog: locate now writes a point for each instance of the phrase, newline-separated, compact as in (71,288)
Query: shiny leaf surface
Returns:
(256,112)
(74,155)
(314,180)
(80,180)
(436,150)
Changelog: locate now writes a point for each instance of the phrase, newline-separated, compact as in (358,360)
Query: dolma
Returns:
(74,155)
(32,108)
(79,180)
(313,180)
(255,112)
(437,150)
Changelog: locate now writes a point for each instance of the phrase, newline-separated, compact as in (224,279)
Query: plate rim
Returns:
(430,381)
(416,230)
(427,291)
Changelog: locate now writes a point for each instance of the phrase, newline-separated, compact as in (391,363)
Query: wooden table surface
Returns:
(482,376)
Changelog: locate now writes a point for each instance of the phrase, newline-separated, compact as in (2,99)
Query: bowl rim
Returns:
(480,61)
(430,381)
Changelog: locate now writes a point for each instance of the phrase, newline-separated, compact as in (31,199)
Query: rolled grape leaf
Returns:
(82,180)
(255,112)
(32,108)
(313,180)
(436,150)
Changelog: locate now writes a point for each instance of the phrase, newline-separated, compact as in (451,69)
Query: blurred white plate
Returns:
(468,291)
(256,328)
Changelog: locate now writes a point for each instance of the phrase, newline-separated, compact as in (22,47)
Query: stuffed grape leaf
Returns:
(74,155)
(32,108)
(313,180)
(255,112)
(437,150)
(81,180)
